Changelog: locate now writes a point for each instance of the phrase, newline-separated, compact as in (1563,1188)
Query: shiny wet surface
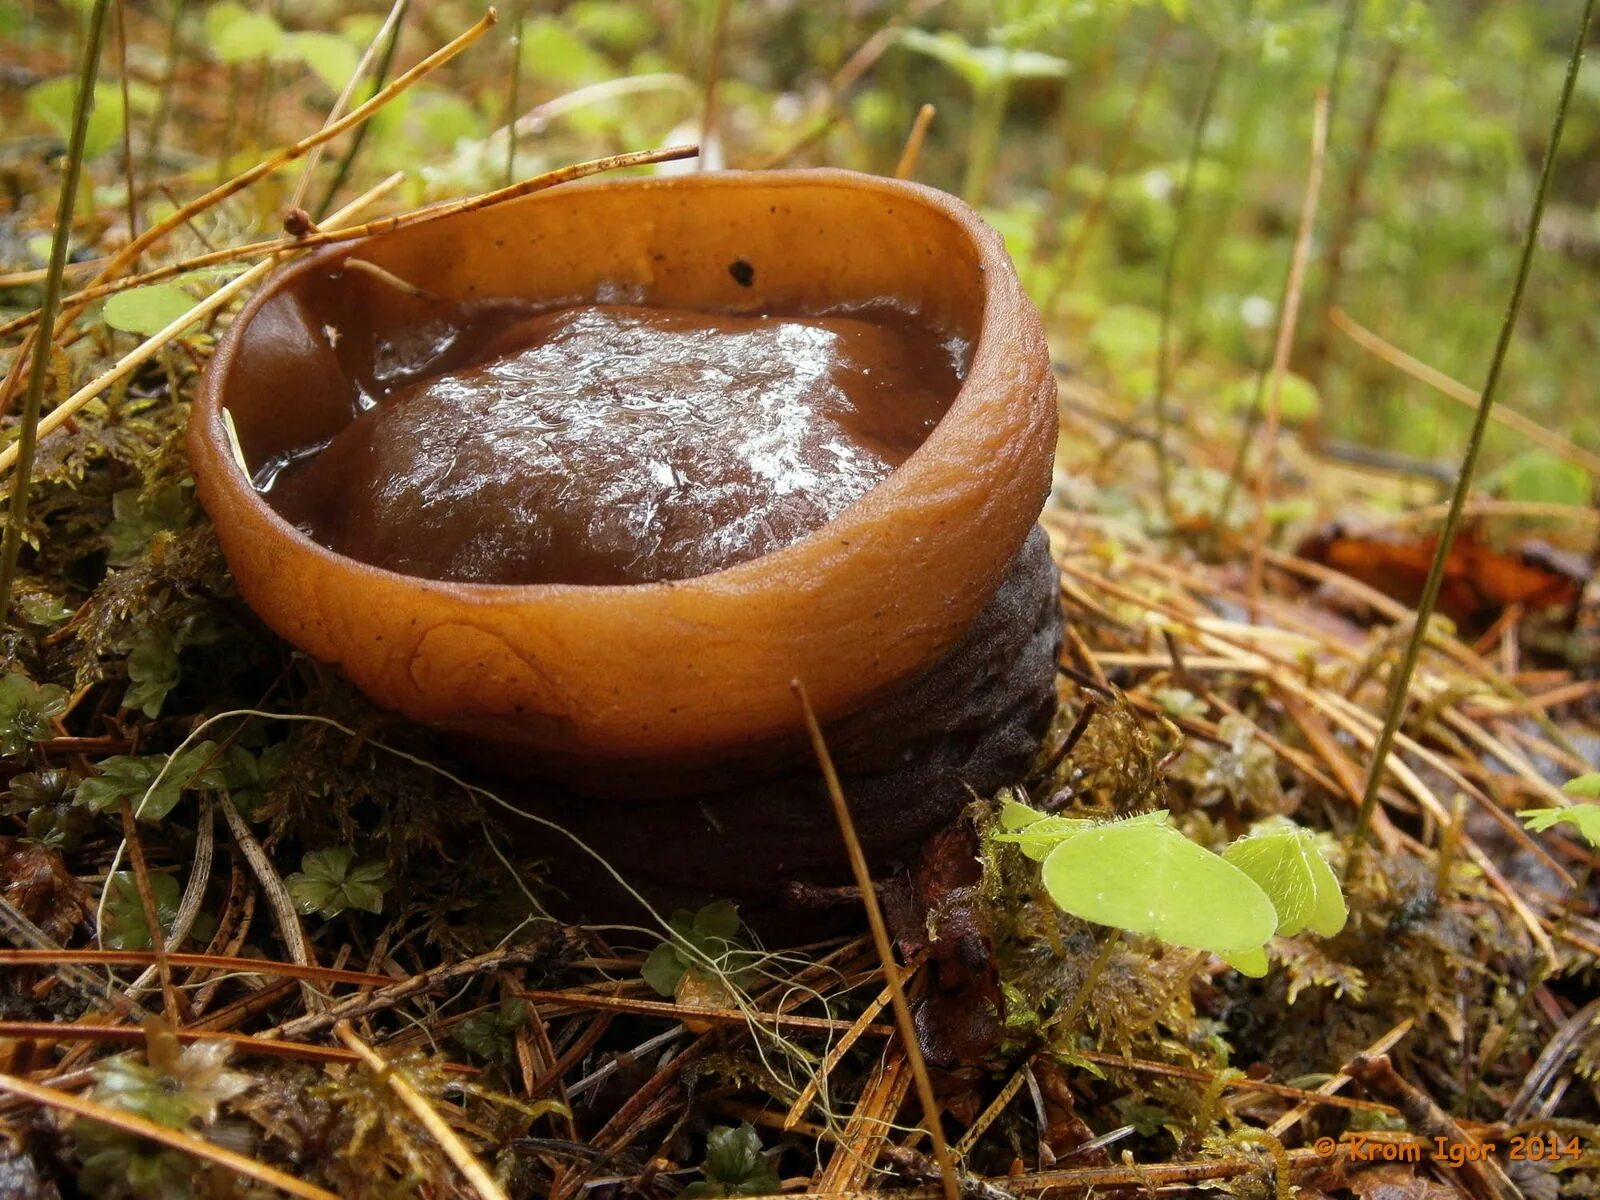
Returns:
(618,444)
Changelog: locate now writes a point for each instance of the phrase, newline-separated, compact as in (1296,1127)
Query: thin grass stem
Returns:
(1400,684)
(39,369)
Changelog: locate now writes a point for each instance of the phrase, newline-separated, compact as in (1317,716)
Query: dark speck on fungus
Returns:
(743,273)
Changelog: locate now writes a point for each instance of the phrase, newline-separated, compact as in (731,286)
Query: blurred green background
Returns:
(1145,161)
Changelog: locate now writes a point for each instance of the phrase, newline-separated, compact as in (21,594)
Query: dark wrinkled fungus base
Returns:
(909,762)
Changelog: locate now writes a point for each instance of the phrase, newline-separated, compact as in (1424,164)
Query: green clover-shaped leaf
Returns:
(152,671)
(147,310)
(26,710)
(1286,864)
(149,782)
(1585,818)
(489,1035)
(709,934)
(328,883)
(1035,833)
(735,1166)
(1144,876)
(124,926)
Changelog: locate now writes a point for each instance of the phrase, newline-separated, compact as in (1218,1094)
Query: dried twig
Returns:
(152,918)
(1461,393)
(243,1043)
(880,938)
(423,216)
(1486,1177)
(283,909)
(708,113)
(188,907)
(403,989)
(907,165)
(152,345)
(1288,321)
(215,962)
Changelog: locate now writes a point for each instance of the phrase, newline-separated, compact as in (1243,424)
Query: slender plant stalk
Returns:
(1341,57)
(1169,282)
(1400,685)
(341,102)
(328,237)
(1215,215)
(825,112)
(1288,321)
(1119,153)
(266,166)
(880,938)
(151,913)
(907,165)
(708,115)
(1090,81)
(1461,393)
(39,369)
(989,111)
(127,123)
(1247,436)
(169,72)
(514,96)
(359,137)
(1344,230)
(73,305)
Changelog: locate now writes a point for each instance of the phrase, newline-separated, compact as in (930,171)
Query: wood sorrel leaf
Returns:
(147,310)
(1144,876)
(1286,864)
(1585,818)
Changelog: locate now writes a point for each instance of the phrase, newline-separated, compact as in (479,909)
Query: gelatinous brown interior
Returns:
(613,444)
(658,688)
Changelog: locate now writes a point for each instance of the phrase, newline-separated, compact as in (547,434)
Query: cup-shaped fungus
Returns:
(584,480)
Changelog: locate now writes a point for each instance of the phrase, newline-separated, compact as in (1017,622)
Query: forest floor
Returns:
(354,991)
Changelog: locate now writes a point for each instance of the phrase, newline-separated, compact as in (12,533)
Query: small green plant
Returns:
(136,518)
(26,710)
(328,883)
(1585,818)
(180,1087)
(135,779)
(146,310)
(153,671)
(709,934)
(1144,876)
(238,34)
(123,925)
(1285,861)
(735,1166)
(489,1036)
(51,103)
(249,773)
(989,71)
(44,799)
